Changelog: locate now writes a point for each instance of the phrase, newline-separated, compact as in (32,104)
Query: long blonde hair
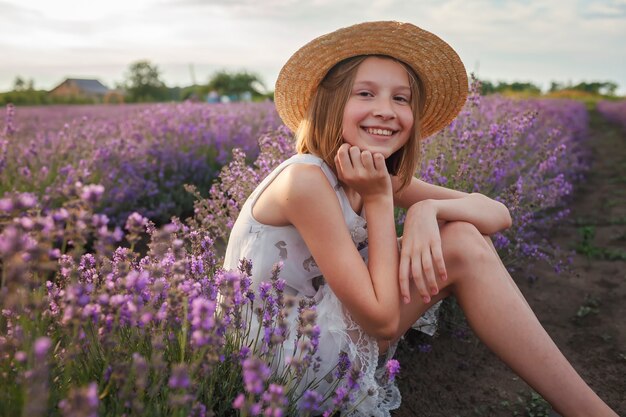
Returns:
(320,131)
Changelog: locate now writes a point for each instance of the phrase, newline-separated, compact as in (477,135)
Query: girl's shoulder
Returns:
(306,181)
(302,170)
(298,184)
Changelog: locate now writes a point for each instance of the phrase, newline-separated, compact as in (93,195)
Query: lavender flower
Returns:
(341,397)
(311,402)
(41,347)
(274,401)
(255,374)
(92,193)
(179,379)
(425,347)
(136,223)
(392,368)
(343,366)
(81,402)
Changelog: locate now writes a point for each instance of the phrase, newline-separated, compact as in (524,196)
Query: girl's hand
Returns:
(421,256)
(363,172)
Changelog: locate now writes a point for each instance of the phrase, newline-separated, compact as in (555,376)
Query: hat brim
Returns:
(438,66)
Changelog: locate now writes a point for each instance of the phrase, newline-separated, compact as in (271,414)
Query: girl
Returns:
(360,99)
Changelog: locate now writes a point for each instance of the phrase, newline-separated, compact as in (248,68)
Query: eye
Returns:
(402,99)
(364,94)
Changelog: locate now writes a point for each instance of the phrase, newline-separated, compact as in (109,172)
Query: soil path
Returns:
(584,311)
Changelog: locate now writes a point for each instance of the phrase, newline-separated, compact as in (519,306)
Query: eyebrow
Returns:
(371,83)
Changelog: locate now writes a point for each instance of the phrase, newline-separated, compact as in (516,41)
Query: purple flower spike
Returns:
(341,397)
(311,401)
(81,402)
(239,401)
(179,379)
(392,369)
(343,365)
(425,347)
(26,200)
(275,400)
(353,379)
(255,373)
(41,347)
(136,223)
(92,193)
(6,205)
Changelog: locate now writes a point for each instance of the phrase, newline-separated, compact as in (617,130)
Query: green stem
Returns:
(183,338)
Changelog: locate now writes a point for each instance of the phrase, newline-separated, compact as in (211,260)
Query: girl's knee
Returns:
(463,243)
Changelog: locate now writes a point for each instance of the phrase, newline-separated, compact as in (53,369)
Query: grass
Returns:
(588,248)
(590,306)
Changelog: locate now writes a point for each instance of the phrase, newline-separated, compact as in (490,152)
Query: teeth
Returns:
(383,132)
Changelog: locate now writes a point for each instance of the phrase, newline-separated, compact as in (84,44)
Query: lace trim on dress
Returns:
(374,396)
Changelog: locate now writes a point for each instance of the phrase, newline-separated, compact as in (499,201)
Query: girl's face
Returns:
(378,116)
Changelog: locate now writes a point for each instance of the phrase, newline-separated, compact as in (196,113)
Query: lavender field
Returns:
(111,223)
(141,154)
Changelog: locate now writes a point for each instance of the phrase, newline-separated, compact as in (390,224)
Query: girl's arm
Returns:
(421,256)
(369,292)
(488,215)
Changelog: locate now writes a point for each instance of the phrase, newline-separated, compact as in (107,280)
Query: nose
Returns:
(384,109)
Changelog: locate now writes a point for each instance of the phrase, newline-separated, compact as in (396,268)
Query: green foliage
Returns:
(537,406)
(235,84)
(21,85)
(590,306)
(39,97)
(607,88)
(24,94)
(604,89)
(487,87)
(588,248)
(143,83)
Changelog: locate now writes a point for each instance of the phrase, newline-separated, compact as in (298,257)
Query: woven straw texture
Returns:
(435,62)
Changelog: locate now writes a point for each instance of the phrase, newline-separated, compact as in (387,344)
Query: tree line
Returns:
(143,83)
(605,88)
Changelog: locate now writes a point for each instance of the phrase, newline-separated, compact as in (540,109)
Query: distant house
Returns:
(86,89)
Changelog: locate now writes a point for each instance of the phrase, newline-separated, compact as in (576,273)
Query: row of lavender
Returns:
(614,111)
(141,154)
(89,327)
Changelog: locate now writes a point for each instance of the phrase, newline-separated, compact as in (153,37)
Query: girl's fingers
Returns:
(343,158)
(429,272)
(379,162)
(355,157)
(416,270)
(440,265)
(338,167)
(368,161)
(403,273)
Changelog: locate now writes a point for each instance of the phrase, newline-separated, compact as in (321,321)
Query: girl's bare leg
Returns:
(501,318)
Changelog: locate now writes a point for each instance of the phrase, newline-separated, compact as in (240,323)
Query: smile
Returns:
(379,132)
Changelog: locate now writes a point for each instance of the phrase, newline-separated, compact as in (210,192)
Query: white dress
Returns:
(266,245)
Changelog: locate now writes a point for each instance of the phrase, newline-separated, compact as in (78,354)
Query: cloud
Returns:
(503,38)
(604,9)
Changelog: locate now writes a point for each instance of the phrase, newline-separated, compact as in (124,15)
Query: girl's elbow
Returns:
(380,324)
(386,328)
(388,332)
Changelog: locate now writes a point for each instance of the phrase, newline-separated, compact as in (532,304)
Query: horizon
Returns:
(114,86)
(566,41)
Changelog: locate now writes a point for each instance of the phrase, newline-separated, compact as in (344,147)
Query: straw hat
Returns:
(435,62)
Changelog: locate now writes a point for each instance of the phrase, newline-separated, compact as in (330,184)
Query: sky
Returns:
(188,40)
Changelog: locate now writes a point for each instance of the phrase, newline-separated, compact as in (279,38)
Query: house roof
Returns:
(89,86)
